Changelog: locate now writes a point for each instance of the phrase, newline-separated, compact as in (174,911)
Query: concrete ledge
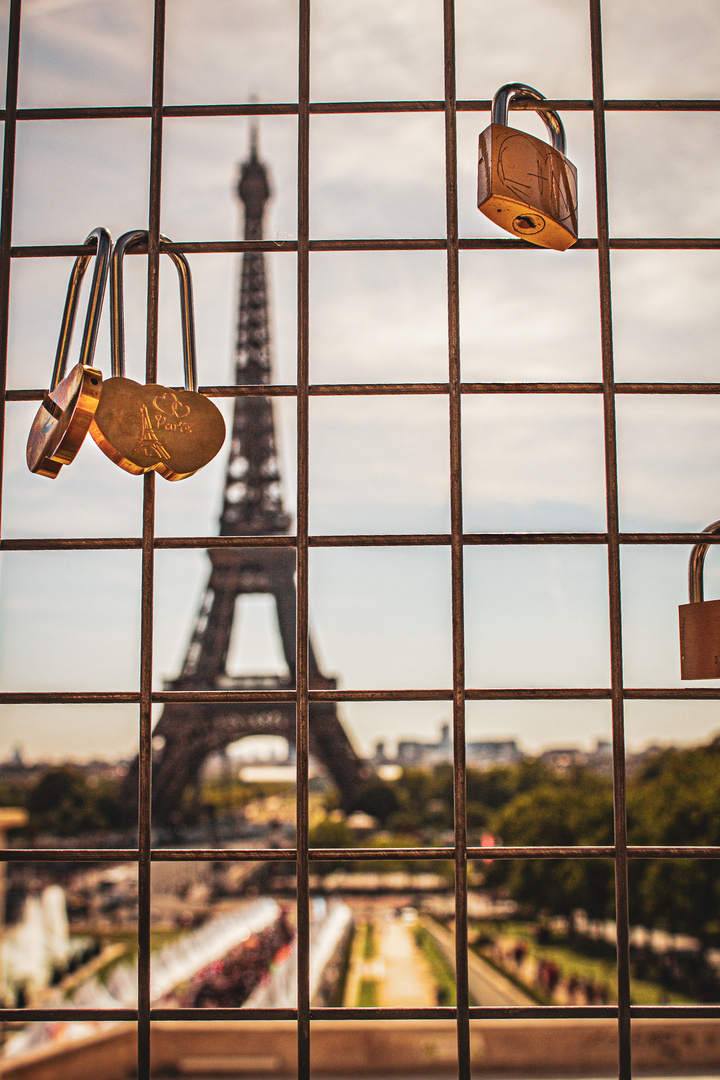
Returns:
(106,1055)
(367,1048)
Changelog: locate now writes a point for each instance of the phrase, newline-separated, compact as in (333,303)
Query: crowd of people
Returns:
(673,970)
(544,975)
(228,982)
(685,971)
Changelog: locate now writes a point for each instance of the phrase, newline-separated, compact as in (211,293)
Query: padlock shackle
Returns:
(696,564)
(501,106)
(117,312)
(94,308)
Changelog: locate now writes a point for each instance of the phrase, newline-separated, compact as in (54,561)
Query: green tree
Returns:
(421,799)
(379,799)
(331,833)
(674,801)
(564,812)
(63,803)
(498,786)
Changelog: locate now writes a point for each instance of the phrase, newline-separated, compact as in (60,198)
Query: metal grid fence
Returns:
(456,540)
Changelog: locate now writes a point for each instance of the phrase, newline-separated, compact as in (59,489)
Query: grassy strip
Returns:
(337,993)
(440,968)
(158,940)
(367,995)
(370,942)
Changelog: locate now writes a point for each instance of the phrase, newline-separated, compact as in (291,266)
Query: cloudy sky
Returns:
(380,619)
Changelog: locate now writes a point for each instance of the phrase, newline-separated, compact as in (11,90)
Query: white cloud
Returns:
(370,49)
(82,52)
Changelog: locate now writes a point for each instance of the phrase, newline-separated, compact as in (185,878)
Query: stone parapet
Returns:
(367,1047)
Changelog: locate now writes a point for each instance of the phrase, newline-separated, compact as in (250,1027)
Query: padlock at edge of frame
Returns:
(63,420)
(699,621)
(526,186)
(153,428)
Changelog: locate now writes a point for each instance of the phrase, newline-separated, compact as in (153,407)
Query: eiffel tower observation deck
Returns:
(252,506)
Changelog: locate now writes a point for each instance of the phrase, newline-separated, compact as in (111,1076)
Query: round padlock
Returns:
(146,428)
(63,419)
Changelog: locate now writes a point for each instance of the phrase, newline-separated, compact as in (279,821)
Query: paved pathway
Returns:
(403,977)
(399,969)
(408,982)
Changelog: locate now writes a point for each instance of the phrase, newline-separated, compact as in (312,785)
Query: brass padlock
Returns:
(63,419)
(700,621)
(524,185)
(152,427)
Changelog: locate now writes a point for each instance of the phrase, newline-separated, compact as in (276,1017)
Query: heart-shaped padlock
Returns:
(152,427)
(63,419)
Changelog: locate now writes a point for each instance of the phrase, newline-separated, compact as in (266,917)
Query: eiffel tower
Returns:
(148,443)
(252,506)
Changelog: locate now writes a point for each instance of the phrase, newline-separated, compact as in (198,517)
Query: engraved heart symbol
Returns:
(62,421)
(169,403)
(146,428)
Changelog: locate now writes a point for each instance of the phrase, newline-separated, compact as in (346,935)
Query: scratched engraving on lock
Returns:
(518,159)
(525,185)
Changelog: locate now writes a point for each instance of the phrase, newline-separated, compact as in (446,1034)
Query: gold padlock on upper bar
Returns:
(524,185)
(700,621)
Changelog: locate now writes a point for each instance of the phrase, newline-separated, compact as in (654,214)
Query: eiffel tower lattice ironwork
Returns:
(253,506)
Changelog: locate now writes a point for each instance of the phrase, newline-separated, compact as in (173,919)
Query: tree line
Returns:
(63,802)
(673,800)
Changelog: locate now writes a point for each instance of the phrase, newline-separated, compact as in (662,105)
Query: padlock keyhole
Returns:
(528,223)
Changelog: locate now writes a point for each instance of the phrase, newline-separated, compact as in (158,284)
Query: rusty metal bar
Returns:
(8,194)
(484,243)
(23,1016)
(615,609)
(145,777)
(289,855)
(156,148)
(456,552)
(6,224)
(349,107)
(148,554)
(302,738)
(79,697)
(415,389)
(82,543)
(580,693)
(6,216)
(501,1012)
(487,1012)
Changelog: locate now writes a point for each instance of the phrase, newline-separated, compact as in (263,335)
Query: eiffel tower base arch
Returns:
(192,733)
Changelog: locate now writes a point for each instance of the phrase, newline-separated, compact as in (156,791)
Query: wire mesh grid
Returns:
(456,540)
